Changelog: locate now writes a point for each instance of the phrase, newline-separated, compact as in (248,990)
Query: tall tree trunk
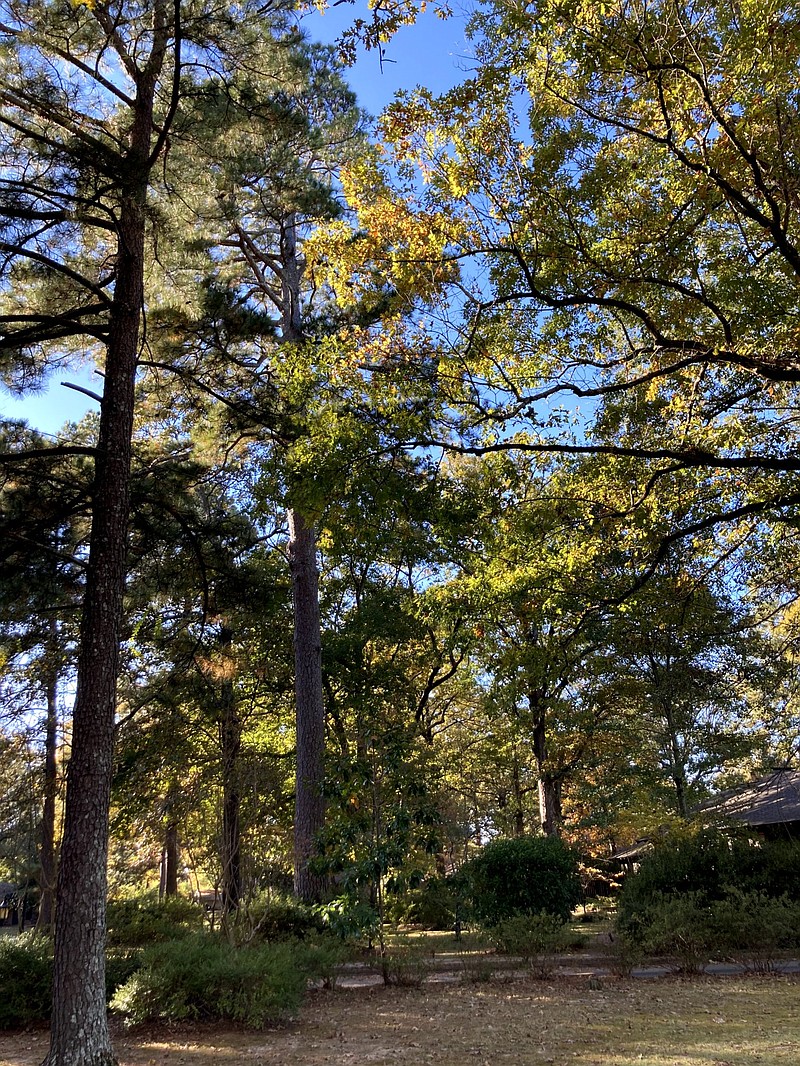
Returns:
(79,1034)
(677,762)
(47,854)
(79,1031)
(310,714)
(309,816)
(230,729)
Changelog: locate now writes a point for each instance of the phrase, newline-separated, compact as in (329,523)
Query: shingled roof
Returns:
(771,800)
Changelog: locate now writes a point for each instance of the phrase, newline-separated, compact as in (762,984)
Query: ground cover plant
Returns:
(705,1022)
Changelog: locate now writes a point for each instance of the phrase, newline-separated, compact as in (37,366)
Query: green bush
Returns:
(756,929)
(710,864)
(527,875)
(771,867)
(432,905)
(120,967)
(406,964)
(535,938)
(322,958)
(682,927)
(26,980)
(349,918)
(283,918)
(205,978)
(142,920)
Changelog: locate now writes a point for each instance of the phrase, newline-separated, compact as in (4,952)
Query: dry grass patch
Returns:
(708,1022)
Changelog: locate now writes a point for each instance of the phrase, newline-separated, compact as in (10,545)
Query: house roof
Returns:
(771,800)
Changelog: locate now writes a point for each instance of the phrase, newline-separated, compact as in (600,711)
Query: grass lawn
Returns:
(705,1022)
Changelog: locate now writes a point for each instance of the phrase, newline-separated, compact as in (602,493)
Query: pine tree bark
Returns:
(170,856)
(309,817)
(230,728)
(79,1029)
(47,853)
(310,714)
(79,1033)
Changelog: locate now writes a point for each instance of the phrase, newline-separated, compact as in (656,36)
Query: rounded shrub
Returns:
(526,875)
(433,905)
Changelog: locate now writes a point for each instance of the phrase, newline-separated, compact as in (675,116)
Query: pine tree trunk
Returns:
(79,1028)
(79,1031)
(310,715)
(47,854)
(231,744)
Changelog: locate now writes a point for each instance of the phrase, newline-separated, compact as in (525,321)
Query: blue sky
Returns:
(433,53)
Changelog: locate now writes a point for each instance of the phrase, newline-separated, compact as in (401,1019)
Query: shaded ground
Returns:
(752,1021)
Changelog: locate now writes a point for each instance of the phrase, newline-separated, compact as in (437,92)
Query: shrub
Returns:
(527,875)
(477,966)
(678,864)
(26,980)
(433,905)
(202,977)
(120,967)
(623,954)
(710,864)
(405,963)
(773,868)
(535,938)
(283,918)
(755,929)
(708,891)
(146,919)
(349,918)
(323,957)
(682,927)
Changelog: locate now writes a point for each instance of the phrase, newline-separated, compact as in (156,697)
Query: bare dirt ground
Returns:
(753,1021)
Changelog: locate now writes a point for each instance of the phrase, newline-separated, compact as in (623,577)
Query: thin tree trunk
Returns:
(310,715)
(231,743)
(47,855)
(519,813)
(677,770)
